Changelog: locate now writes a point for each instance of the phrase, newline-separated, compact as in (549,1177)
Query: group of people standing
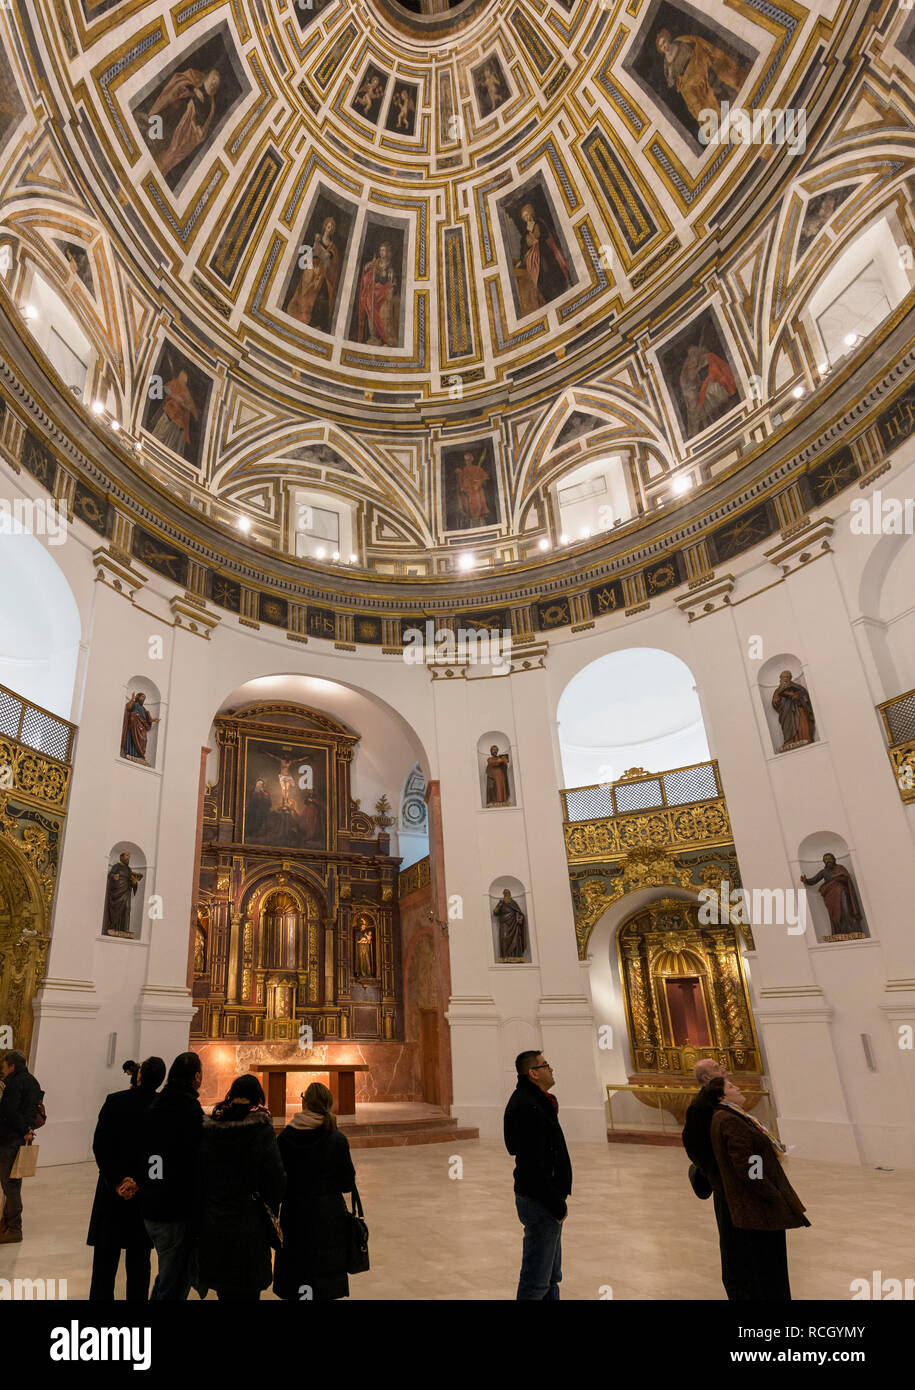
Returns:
(204,1191)
(734,1158)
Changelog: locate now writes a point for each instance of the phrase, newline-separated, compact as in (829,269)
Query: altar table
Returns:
(342,1076)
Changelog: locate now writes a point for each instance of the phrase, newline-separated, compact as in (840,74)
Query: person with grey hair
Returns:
(697,1141)
(19,1104)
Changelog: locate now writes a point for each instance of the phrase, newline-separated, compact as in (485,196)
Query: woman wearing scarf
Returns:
(240,1173)
(313,1260)
(761,1200)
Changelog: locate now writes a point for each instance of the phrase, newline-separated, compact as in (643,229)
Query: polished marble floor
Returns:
(634,1226)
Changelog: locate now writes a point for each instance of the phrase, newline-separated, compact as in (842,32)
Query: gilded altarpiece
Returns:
(296,916)
(685,994)
(34,790)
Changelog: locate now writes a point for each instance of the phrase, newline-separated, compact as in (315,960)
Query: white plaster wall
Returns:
(811,1002)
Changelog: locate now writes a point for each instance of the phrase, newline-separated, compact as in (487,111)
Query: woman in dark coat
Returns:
(761,1201)
(314,1257)
(238,1159)
(116,1222)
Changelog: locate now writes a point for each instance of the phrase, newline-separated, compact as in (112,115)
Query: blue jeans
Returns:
(174,1247)
(541,1258)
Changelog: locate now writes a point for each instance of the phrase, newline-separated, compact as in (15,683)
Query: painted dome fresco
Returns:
(502,274)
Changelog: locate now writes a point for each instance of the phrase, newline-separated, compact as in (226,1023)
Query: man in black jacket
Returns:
(18,1109)
(116,1222)
(543,1175)
(168,1187)
(697,1141)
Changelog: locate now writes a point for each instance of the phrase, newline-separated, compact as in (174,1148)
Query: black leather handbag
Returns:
(357,1261)
(699,1182)
(270,1224)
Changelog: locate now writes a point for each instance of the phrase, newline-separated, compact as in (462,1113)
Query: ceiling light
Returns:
(465,561)
(543,544)
(336,555)
(798,392)
(320,552)
(115,425)
(244,524)
(850,339)
(97,408)
(353,559)
(138,446)
(823,368)
(563,539)
(681,485)
(30,311)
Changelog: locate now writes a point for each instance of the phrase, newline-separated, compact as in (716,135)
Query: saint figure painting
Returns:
(313,289)
(376,317)
(188,105)
(469,487)
(688,64)
(699,372)
(177,405)
(541,266)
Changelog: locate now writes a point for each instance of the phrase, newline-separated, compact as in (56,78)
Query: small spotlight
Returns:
(244,524)
(563,539)
(585,532)
(97,408)
(465,561)
(320,552)
(798,392)
(823,368)
(850,339)
(138,446)
(543,544)
(354,559)
(115,425)
(681,485)
(336,555)
(30,311)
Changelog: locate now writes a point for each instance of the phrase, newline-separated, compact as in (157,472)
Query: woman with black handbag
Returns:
(317,1227)
(242,1182)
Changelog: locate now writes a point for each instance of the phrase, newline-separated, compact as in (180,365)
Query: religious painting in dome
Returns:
(78,261)
(181,115)
(285,795)
(313,290)
(402,110)
(819,210)
(370,93)
(541,266)
(699,373)
(12,109)
(688,64)
(177,404)
(376,317)
(92,9)
(490,85)
(470,489)
(578,424)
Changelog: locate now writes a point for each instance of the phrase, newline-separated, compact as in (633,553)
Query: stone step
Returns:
(644,1136)
(379,1126)
(401,1138)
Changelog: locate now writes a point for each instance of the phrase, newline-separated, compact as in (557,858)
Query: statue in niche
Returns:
(135,730)
(791,703)
(497,788)
(837,890)
(365,952)
(119,895)
(511,920)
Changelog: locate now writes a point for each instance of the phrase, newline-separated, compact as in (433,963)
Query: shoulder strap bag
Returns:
(358,1237)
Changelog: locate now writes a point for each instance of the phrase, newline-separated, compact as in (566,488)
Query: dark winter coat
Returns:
(764,1203)
(171,1133)
(19,1104)
(534,1136)
(697,1138)
(118,1148)
(237,1159)
(315,1223)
